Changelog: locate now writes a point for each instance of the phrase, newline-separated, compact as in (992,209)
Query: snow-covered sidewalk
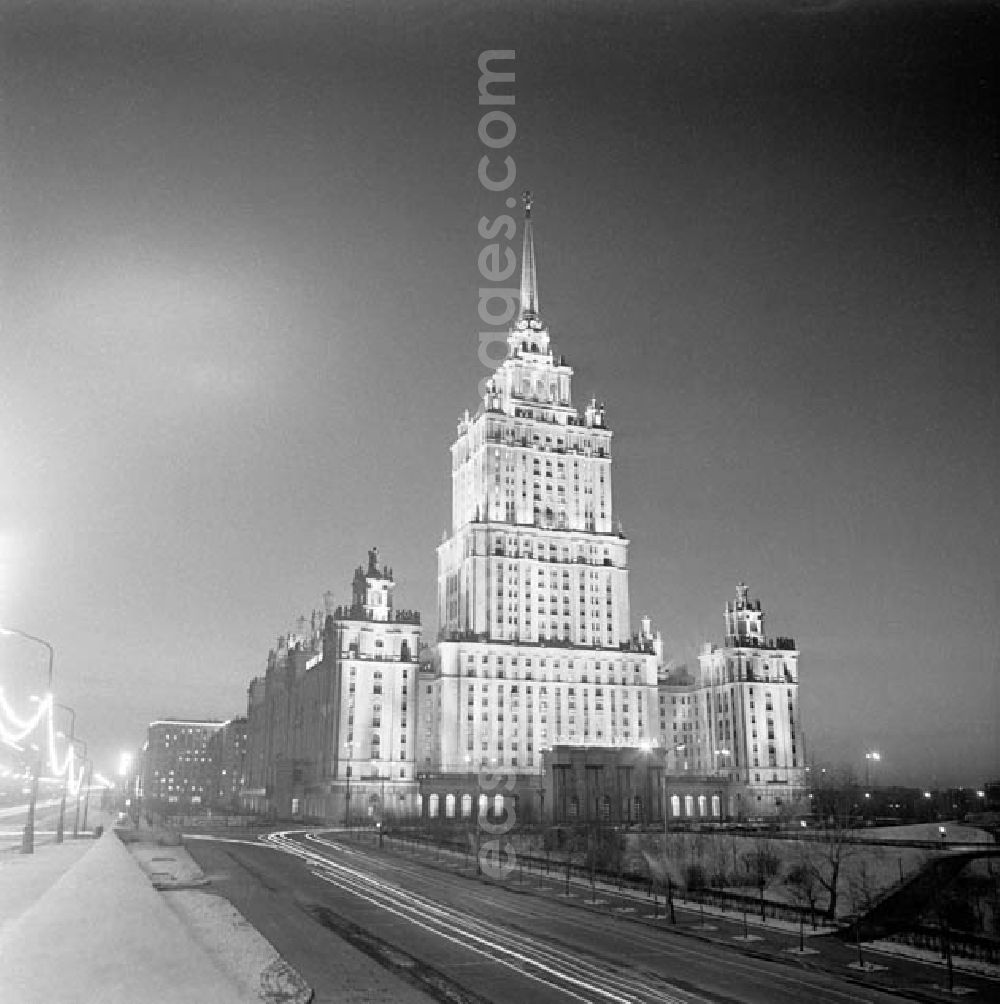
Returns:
(82,922)
(223,933)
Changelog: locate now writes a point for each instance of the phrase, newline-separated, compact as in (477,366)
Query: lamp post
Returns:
(870,757)
(60,828)
(28,840)
(668,892)
(347,774)
(377,775)
(76,817)
(86,791)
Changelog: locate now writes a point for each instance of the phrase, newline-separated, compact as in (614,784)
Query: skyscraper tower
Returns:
(533,579)
(533,555)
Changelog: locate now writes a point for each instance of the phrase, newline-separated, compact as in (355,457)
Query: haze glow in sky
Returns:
(239,323)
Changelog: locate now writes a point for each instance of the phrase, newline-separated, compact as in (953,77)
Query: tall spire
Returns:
(529,281)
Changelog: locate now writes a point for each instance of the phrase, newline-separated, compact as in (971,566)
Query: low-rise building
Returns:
(179,766)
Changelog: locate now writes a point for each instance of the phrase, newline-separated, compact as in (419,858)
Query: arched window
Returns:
(702,805)
(466,806)
(449,806)
(574,807)
(675,805)
(432,806)
(484,806)
(497,805)
(689,805)
(716,806)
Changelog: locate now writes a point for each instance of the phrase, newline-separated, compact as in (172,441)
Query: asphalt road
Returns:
(459,939)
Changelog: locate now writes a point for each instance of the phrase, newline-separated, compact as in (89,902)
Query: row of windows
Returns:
(633,807)
(464,806)
(513,691)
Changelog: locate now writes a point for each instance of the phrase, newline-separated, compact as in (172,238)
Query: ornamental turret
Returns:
(744,620)
(372,590)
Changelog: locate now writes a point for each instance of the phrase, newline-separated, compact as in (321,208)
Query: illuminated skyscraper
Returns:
(535,646)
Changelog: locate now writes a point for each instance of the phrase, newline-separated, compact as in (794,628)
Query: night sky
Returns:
(239,323)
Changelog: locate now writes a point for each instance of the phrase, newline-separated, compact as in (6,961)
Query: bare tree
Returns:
(762,865)
(864,887)
(803,882)
(835,800)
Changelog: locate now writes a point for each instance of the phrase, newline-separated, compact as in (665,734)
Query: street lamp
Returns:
(870,757)
(60,828)
(89,765)
(347,774)
(76,817)
(380,822)
(28,840)
(377,775)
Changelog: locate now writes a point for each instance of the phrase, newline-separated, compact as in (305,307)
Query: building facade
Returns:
(332,724)
(179,765)
(633,787)
(750,706)
(227,749)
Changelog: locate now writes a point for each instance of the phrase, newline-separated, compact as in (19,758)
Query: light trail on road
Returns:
(22,810)
(800,983)
(573,975)
(556,951)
